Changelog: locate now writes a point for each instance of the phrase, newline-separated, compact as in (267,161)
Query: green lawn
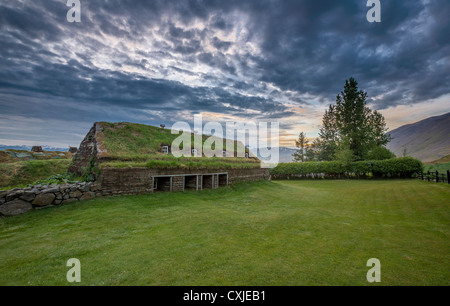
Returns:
(262,233)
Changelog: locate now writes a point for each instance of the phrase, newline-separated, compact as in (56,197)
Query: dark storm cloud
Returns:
(297,47)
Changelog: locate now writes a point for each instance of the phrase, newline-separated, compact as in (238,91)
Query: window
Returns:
(165,149)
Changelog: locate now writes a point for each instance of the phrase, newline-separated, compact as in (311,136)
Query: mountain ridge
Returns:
(427,140)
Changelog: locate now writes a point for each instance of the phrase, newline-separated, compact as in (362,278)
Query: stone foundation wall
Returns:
(139,180)
(18,201)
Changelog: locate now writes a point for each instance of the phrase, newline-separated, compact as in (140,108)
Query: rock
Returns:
(15,208)
(86,187)
(2,194)
(23,155)
(28,196)
(44,199)
(64,188)
(69,201)
(51,190)
(66,196)
(88,196)
(43,207)
(57,202)
(76,194)
(2,201)
(59,196)
(13,194)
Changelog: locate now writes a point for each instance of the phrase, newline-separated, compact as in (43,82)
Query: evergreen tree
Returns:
(328,139)
(312,151)
(351,119)
(301,144)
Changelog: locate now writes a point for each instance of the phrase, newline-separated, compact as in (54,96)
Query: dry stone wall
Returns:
(18,201)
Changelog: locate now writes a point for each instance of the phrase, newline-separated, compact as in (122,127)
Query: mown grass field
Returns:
(261,233)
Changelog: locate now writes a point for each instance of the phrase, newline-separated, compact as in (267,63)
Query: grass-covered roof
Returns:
(137,145)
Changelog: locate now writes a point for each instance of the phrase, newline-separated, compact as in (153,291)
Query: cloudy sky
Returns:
(160,61)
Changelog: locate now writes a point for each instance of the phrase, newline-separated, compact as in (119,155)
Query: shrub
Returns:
(403,167)
(380,153)
(58,179)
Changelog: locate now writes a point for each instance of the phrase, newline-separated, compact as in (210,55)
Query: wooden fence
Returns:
(438,177)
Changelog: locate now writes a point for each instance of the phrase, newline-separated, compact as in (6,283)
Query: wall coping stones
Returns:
(51,190)
(28,196)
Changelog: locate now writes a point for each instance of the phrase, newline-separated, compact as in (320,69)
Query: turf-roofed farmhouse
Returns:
(129,158)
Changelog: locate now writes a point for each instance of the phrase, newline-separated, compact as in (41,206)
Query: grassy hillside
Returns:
(426,140)
(445,159)
(26,172)
(441,167)
(262,233)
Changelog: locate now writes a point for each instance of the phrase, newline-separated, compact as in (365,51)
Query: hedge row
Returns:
(403,167)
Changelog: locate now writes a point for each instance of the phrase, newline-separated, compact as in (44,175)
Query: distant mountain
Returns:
(427,140)
(28,148)
(285,154)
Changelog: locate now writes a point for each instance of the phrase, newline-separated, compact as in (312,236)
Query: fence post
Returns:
(421,174)
(428,176)
(437,176)
(448,176)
